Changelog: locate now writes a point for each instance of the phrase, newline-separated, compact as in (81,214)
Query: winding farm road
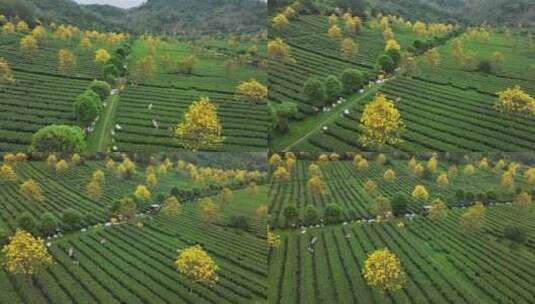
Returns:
(329,117)
(100,139)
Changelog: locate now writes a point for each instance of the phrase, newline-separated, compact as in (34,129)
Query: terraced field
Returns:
(344,184)
(125,263)
(244,125)
(43,95)
(444,108)
(443,264)
(437,118)
(316,55)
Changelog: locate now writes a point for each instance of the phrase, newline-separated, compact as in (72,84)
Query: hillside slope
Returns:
(466,11)
(155,16)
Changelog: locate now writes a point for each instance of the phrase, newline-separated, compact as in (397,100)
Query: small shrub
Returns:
(102,89)
(290,213)
(515,234)
(386,63)
(26,222)
(311,215)
(333,87)
(314,91)
(87,107)
(333,213)
(239,221)
(54,138)
(399,204)
(351,80)
(72,219)
(49,224)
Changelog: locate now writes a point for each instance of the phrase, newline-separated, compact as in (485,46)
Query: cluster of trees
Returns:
(332,213)
(320,92)
(88,105)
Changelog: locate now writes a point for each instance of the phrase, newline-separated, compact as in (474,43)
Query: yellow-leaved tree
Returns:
(252,188)
(273,240)
(432,164)
(433,57)
(279,22)
(28,45)
(438,209)
(442,180)
(507,180)
(32,191)
(145,69)
(392,44)
(225,196)
(514,101)
(316,185)
(171,206)
(22,26)
(529,176)
(25,255)
(8,28)
(389,175)
(370,187)
(66,60)
(362,165)
(6,74)
(142,193)
(382,270)
(314,170)
(200,127)
(333,19)
(281,174)
(151,179)
(251,91)
(469,170)
(279,50)
(208,209)
(194,263)
(420,193)
(102,56)
(381,123)
(349,48)
(472,218)
(94,189)
(127,168)
(7,173)
(62,166)
(275,160)
(335,32)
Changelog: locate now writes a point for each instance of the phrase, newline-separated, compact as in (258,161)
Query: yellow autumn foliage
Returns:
(194,263)
(251,91)
(25,254)
(200,127)
(382,270)
(381,123)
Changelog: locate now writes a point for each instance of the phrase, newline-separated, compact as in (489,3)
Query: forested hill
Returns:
(195,16)
(464,11)
(156,16)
